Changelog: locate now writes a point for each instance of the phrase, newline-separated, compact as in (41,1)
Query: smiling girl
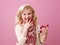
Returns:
(27,30)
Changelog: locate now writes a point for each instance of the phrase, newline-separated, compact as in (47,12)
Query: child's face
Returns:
(26,15)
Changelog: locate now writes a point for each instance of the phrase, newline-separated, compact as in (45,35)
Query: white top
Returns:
(20,38)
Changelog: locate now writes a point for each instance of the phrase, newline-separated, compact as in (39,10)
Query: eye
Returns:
(24,14)
(29,13)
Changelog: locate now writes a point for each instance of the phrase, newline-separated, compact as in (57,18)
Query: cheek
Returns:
(30,16)
(23,17)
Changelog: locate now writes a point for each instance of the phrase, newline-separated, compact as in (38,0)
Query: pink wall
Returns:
(47,11)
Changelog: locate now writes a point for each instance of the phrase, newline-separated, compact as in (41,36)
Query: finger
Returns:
(29,21)
(47,25)
(40,31)
(26,21)
(46,28)
(31,24)
(42,27)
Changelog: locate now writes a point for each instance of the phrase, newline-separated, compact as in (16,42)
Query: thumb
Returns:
(26,21)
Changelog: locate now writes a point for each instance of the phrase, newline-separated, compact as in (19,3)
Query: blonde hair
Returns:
(18,18)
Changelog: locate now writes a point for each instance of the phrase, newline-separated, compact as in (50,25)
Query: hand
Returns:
(28,24)
(43,33)
(31,33)
(44,29)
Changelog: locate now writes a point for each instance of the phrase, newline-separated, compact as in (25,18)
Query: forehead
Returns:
(27,10)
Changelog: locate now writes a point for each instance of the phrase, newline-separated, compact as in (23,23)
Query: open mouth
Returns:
(28,19)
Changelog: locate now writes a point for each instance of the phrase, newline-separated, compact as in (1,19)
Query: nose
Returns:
(27,16)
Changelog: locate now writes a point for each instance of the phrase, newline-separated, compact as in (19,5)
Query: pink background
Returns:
(47,11)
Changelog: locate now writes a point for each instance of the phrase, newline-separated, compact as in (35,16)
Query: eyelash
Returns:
(28,14)
(24,14)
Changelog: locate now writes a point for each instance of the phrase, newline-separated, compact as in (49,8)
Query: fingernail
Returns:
(47,25)
(42,27)
(40,31)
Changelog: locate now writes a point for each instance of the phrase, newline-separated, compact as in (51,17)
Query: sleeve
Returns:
(38,34)
(20,37)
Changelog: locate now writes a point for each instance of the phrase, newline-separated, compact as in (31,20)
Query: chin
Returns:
(24,21)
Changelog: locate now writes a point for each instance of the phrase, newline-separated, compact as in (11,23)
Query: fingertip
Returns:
(42,27)
(47,25)
(40,31)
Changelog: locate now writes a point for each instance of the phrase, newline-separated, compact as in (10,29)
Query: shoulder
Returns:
(18,27)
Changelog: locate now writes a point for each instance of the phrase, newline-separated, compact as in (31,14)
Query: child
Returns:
(28,32)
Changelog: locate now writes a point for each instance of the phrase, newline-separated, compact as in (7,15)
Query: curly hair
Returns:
(18,18)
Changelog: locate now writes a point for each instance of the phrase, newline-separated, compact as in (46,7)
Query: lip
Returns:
(28,19)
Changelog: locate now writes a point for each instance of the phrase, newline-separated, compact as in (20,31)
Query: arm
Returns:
(20,35)
(21,32)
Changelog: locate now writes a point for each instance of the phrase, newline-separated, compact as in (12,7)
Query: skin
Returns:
(26,15)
